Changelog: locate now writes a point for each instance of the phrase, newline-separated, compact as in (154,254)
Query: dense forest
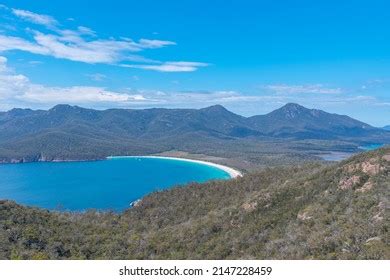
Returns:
(302,212)
(290,134)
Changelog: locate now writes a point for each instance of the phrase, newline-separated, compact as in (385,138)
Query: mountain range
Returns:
(67,132)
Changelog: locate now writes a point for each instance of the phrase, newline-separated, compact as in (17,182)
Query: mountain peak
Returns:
(294,107)
(61,107)
(19,112)
(65,108)
(292,110)
(215,109)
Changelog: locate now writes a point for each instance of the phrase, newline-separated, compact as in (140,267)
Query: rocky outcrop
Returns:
(349,182)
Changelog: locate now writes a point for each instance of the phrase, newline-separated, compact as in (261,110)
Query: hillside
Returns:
(74,133)
(293,120)
(301,212)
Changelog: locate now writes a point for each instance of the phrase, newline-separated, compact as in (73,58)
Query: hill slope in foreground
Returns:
(310,212)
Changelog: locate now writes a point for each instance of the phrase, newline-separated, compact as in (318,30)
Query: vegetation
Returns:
(290,134)
(301,212)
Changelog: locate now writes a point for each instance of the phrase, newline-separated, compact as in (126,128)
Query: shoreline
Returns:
(233,173)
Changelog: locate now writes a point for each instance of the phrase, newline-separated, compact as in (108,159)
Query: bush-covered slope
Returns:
(310,212)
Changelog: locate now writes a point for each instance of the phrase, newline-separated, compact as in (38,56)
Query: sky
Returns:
(250,56)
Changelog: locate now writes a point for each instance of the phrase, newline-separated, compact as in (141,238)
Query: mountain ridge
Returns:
(288,107)
(69,132)
(288,111)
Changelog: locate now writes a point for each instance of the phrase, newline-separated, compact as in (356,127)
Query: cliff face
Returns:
(308,212)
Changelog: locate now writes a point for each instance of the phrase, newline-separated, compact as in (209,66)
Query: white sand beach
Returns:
(232,172)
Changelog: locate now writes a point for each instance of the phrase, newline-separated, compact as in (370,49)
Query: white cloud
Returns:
(17,90)
(172,66)
(16,43)
(82,45)
(197,99)
(70,45)
(45,20)
(155,44)
(3,64)
(75,95)
(296,89)
(76,49)
(375,84)
(86,31)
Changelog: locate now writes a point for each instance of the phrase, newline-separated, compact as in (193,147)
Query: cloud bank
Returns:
(83,45)
(45,20)
(19,91)
(297,89)
(179,66)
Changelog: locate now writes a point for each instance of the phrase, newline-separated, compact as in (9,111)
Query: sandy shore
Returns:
(232,172)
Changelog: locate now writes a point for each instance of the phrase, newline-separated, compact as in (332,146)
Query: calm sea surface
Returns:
(339,156)
(108,184)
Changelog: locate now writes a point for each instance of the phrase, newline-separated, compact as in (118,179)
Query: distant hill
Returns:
(300,212)
(70,132)
(387,128)
(293,120)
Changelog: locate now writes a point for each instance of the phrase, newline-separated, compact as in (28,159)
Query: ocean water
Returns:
(339,156)
(371,147)
(105,185)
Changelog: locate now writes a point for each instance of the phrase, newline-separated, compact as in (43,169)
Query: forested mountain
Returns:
(300,212)
(73,133)
(293,120)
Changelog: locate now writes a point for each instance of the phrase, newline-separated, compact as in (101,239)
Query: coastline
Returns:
(233,173)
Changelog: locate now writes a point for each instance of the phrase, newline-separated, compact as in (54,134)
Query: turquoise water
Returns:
(371,147)
(108,184)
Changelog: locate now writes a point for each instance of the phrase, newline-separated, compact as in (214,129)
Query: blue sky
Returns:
(250,56)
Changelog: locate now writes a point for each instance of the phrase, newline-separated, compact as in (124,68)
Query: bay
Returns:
(107,184)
